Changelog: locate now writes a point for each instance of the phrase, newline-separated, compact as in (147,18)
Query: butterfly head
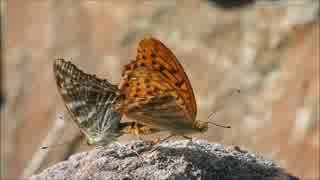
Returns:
(201,126)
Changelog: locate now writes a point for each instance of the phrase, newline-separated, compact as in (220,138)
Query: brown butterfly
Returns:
(88,100)
(156,91)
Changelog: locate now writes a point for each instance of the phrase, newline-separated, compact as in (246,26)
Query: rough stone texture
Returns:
(182,159)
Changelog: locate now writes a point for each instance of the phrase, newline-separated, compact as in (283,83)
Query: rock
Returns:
(181,160)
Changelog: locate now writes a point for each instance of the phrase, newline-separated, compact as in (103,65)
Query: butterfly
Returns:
(155,91)
(89,101)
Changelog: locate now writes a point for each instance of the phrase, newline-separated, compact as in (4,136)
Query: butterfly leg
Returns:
(137,131)
(160,141)
(140,129)
(187,137)
(131,149)
(166,138)
(156,141)
(146,130)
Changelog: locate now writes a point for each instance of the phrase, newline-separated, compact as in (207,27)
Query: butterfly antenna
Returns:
(53,135)
(219,125)
(237,91)
(53,146)
(68,142)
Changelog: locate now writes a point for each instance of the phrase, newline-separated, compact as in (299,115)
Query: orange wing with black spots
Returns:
(155,74)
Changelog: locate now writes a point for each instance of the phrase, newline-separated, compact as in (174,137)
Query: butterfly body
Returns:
(165,122)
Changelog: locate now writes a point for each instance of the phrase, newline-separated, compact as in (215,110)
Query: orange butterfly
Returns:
(157,92)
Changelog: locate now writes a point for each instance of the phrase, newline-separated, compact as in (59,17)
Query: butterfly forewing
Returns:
(164,61)
(156,89)
(155,56)
(88,100)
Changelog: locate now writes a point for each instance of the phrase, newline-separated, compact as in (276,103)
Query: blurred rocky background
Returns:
(269,49)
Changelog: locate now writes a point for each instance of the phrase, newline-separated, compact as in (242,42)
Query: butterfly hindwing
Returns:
(88,99)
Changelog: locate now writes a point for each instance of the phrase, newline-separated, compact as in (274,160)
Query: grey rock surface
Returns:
(179,160)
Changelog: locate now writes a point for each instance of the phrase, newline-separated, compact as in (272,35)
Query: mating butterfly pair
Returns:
(154,91)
